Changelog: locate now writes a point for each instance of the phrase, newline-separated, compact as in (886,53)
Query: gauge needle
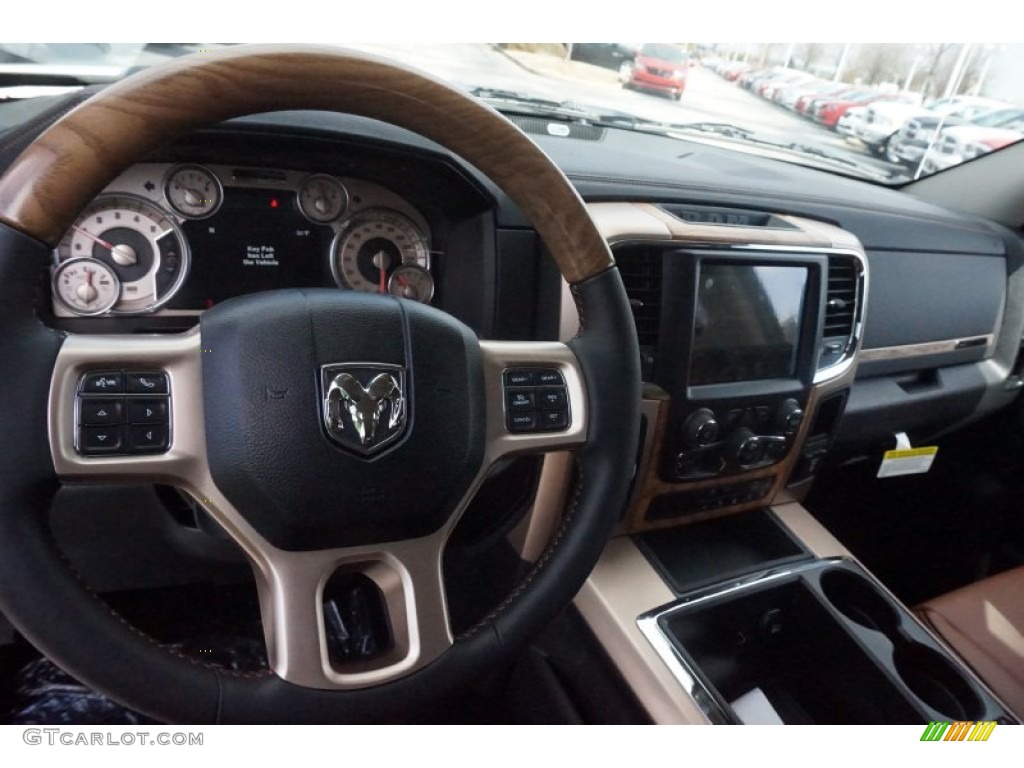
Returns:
(380,260)
(91,236)
(86,292)
(122,254)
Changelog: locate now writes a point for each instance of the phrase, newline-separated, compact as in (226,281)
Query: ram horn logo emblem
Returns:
(364,407)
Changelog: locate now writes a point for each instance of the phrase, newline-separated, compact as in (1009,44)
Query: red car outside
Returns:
(660,67)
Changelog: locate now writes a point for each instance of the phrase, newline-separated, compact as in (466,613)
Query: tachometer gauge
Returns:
(138,241)
(322,198)
(372,246)
(86,286)
(193,191)
(411,281)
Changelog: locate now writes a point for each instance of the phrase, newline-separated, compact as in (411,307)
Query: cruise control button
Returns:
(519,378)
(95,411)
(150,411)
(518,400)
(147,439)
(100,440)
(522,422)
(147,383)
(553,420)
(551,398)
(549,377)
(102,383)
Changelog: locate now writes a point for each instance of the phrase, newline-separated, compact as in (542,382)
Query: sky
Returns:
(526,20)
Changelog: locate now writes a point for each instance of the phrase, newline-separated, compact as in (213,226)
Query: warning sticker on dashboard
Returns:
(907,461)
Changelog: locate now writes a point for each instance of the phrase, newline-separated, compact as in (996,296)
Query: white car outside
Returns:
(966,142)
(881,120)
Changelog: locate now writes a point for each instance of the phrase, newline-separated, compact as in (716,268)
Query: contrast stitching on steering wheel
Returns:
(538,566)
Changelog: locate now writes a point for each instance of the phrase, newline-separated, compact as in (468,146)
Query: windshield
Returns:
(874,111)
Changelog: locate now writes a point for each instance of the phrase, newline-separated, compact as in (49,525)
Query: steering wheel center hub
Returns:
(324,411)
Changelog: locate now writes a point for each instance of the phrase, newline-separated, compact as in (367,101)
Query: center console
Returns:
(812,642)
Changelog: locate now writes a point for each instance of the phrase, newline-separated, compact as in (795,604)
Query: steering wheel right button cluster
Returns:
(536,400)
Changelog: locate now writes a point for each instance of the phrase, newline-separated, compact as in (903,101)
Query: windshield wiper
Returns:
(504,99)
(537,106)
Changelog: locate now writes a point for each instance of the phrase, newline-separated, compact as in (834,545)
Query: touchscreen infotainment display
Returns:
(747,324)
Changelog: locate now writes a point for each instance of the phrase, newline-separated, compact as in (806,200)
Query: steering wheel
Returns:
(259,407)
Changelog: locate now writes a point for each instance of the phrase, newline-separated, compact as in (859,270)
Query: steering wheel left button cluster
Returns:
(123,413)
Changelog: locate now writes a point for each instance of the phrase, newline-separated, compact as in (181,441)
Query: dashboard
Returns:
(827,335)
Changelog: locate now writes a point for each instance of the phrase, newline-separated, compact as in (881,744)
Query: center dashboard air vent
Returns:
(841,309)
(640,268)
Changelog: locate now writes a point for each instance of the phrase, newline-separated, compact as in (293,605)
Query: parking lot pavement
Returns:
(551,66)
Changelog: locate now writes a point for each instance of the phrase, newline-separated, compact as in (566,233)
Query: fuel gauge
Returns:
(411,281)
(86,286)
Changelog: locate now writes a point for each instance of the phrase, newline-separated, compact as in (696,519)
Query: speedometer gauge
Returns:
(138,241)
(372,246)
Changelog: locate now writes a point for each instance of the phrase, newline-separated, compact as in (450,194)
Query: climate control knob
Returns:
(700,428)
(789,416)
(744,448)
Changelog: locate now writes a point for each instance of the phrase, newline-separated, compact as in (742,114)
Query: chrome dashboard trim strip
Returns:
(945,346)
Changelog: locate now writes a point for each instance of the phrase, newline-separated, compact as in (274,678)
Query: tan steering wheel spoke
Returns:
(407,575)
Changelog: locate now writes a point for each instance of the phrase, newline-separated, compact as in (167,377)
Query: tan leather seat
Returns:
(984,623)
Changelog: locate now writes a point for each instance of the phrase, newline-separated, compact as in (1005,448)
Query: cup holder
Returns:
(936,682)
(859,601)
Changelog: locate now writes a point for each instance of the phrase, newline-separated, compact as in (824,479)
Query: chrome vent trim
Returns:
(842,324)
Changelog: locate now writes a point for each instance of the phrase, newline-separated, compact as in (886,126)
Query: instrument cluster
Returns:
(179,238)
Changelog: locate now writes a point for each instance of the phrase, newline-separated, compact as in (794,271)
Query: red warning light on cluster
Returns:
(273,202)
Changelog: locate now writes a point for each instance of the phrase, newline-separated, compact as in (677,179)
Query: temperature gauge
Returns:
(411,281)
(86,286)
(322,198)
